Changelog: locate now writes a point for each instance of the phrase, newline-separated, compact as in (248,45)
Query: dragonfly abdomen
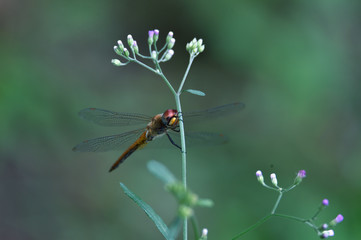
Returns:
(139,143)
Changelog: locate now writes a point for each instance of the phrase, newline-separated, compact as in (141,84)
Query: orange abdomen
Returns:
(140,142)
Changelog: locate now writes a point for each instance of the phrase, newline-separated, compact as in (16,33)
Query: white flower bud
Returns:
(169,36)
(171,43)
(274,179)
(169,55)
(126,52)
(117,62)
(130,40)
(327,233)
(154,55)
(201,48)
(260,177)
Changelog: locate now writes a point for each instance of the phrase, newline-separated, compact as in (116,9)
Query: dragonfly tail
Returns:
(141,141)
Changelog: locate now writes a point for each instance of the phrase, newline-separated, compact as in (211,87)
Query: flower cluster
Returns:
(153,35)
(300,175)
(324,230)
(195,47)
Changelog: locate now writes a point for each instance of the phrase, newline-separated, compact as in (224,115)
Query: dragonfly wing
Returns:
(214,112)
(113,119)
(108,143)
(199,138)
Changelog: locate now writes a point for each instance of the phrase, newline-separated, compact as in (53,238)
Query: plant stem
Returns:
(253,226)
(277,202)
(191,58)
(183,142)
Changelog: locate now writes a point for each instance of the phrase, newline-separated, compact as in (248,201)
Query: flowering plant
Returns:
(186,199)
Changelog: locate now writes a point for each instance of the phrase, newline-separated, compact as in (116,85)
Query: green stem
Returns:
(277,203)
(177,94)
(290,217)
(144,65)
(191,58)
(183,142)
(184,155)
(195,227)
(253,226)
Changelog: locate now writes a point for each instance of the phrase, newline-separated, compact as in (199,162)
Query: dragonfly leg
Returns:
(179,114)
(171,140)
(176,130)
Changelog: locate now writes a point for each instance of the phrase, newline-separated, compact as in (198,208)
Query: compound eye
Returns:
(173,121)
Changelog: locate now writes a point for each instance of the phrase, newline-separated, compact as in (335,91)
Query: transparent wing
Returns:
(214,112)
(113,119)
(108,143)
(198,138)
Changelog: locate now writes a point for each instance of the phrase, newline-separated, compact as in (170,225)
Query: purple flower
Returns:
(301,174)
(325,202)
(339,218)
(150,37)
(324,226)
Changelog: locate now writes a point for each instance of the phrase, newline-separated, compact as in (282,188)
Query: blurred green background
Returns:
(295,64)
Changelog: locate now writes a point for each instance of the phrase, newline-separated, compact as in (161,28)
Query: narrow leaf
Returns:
(161,172)
(175,227)
(162,227)
(196,92)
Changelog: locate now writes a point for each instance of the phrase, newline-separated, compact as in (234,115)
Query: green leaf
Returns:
(196,92)
(162,227)
(205,202)
(175,227)
(161,172)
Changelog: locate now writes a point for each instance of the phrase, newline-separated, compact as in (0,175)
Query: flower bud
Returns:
(260,177)
(154,55)
(117,62)
(325,202)
(337,220)
(204,234)
(156,35)
(274,179)
(171,43)
(120,45)
(130,40)
(150,37)
(324,226)
(327,233)
(126,52)
(199,42)
(194,51)
(117,50)
(135,47)
(300,175)
(201,48)
(169,36)
(169,55)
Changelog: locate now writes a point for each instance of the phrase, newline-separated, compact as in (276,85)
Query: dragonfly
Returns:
(163,124)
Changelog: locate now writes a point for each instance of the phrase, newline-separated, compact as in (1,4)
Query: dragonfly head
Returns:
(170,118)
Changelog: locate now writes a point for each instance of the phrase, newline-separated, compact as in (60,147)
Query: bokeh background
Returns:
(295,64)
